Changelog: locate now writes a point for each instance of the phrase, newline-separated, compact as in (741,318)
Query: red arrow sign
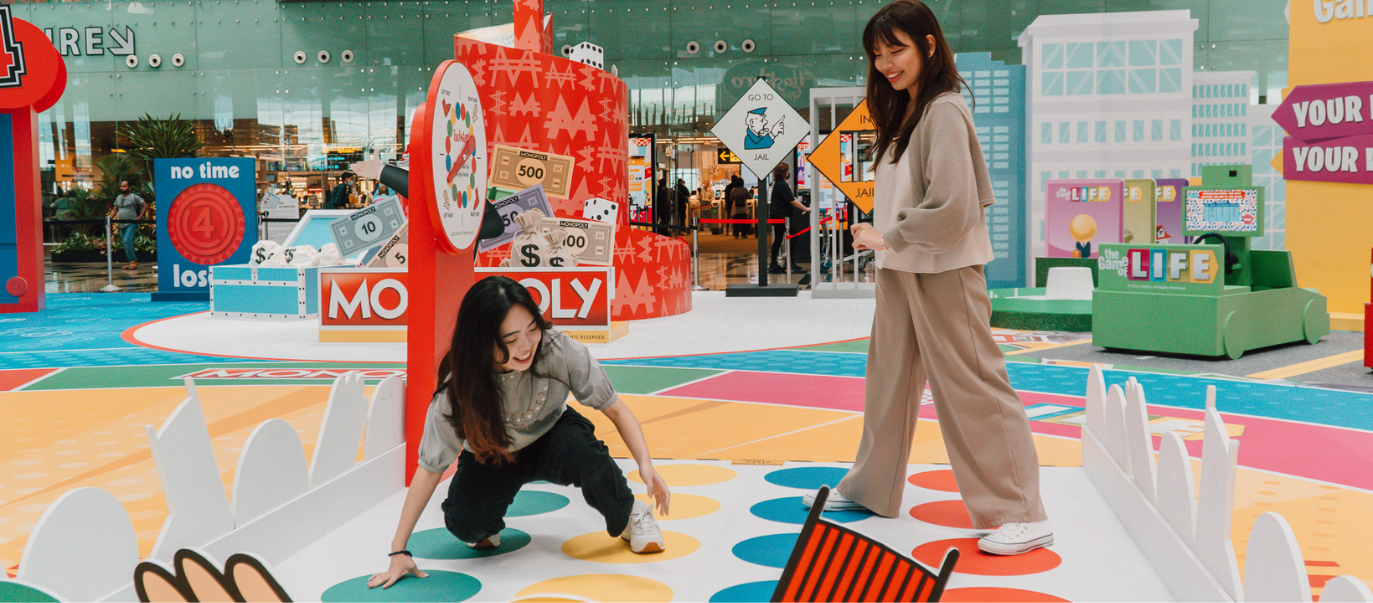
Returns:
(1327,111)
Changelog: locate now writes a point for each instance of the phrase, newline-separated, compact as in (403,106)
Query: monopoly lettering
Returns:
(366,303)
(359,300)
(291,374)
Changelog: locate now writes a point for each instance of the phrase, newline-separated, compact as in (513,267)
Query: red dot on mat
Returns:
(941,480)
(947,513)
(996,594)
(972,560)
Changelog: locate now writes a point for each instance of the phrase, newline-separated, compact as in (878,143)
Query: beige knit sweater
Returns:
(930,206)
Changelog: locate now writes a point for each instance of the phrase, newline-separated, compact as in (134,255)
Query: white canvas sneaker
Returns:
(835,502)
(643,533)
(490,542)
(1017,538)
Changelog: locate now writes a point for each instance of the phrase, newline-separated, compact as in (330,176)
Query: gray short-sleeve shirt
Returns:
(532,400)
(130,205)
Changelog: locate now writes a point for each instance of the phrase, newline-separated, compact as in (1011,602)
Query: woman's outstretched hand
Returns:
(865,237)
(401,565)
(657,489)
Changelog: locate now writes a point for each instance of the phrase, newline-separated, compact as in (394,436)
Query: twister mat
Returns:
(77,400)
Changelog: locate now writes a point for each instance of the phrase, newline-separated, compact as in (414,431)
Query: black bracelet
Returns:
(406,553)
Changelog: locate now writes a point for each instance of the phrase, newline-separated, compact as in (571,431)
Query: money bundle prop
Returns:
(590,241)
(270,254)
(517,169)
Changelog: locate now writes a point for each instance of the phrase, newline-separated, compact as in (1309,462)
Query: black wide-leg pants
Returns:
(568,455)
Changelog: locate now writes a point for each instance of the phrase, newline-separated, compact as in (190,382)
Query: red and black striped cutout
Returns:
(833,563)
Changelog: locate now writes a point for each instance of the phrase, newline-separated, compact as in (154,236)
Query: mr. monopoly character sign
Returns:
(206,215)
(761,129)
(32,78)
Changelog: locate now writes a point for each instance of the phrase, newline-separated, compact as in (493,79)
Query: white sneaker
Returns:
(835,502)
(1016,538)
(490,542)
(643,533)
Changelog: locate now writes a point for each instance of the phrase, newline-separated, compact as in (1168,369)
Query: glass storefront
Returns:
(308,87)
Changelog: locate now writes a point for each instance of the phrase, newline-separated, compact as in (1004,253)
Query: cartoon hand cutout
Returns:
(197,579)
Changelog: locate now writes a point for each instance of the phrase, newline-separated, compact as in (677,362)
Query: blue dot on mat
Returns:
(750,592)
(439,586)
(770,551)
(439,543)
(792,510)
(535,502)
(808,478)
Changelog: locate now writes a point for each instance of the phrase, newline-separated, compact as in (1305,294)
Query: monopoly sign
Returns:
(363,304)
(290,374)
(574,299)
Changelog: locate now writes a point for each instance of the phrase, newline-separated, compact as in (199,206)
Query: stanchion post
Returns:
(109,259)
(695,256)
(786,246)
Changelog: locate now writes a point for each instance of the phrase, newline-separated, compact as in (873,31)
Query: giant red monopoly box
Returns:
(576,300)
(363,304)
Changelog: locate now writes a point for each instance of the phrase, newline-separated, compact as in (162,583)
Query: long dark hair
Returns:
(468,372)
(938,75)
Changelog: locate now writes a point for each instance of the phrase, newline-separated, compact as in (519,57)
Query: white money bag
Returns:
(530,246)
(558,255)
(329,255)
(302,256)
(262,251)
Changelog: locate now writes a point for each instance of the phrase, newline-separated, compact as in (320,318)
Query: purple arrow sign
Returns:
(1348,159)
(1326,111)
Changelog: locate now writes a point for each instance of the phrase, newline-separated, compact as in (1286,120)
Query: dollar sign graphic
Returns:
(290,254)
(555,262)
(261,254)
(530,260)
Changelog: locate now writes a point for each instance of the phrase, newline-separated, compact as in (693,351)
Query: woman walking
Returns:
(929,232)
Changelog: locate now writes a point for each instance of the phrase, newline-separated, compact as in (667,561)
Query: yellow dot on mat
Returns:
(685,506)
(689,475)
(600,547)
(607,588)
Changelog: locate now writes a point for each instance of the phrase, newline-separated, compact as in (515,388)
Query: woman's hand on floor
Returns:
(401,565)
(657,489)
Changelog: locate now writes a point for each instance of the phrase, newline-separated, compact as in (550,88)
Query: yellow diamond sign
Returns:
(843,157)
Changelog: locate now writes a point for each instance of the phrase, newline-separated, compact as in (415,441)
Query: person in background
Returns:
(779,209)
(339,197)
(129,206)
(683,201)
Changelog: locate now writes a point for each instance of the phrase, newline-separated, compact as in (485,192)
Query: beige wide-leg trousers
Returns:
(937,327)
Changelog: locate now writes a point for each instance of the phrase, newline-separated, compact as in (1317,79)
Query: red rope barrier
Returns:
(789,237)
(714,221)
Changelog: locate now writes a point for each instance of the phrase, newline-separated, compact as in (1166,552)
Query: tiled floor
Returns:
(89,277)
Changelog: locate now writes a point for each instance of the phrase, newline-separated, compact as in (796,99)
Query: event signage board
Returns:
(1081,215)
(837,156)
(1325,111)
(363,304)
(1235,212)
(574,299)
(207,215)
(762,128)
(454,140)
(1171,269)
(1168,209)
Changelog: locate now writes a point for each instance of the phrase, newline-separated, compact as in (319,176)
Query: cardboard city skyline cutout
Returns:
(762,128)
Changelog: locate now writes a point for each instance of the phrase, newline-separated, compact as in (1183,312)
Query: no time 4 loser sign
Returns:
(206,215)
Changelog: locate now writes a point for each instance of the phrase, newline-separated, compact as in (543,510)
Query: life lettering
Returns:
(1333,111)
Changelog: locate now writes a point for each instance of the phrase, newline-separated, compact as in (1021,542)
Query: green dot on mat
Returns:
(439,586)
(439,543)
(535,502)
(10,591)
